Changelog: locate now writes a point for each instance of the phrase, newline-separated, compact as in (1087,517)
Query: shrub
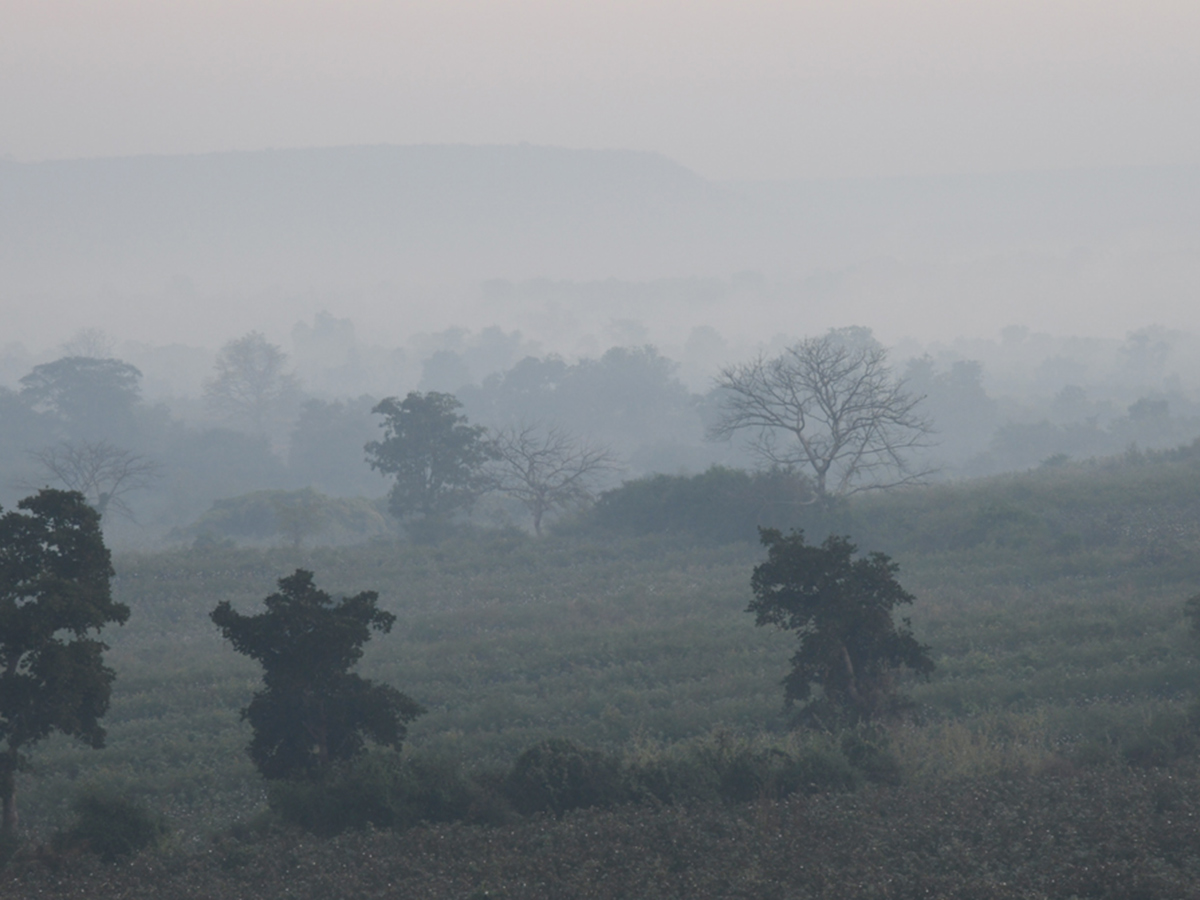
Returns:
(557,775)
(718,506)
(1165,737)
(817,771)
(384,791)
(870,754)
(111,826)
(737,771)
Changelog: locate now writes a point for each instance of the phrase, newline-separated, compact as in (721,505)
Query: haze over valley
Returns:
(604,450)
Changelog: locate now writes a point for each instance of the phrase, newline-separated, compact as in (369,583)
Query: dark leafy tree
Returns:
(436,457)
(841,610)
(54,594)
(548,468)
(313,712)
(829,407)
(93,399)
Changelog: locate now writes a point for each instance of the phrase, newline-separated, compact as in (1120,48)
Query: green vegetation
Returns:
(111,826)
(313,713)
(436,457)
(55,594)
(296,516)
(612,680)
(841,610)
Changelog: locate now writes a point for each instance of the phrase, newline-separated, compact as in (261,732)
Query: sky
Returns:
(753,89)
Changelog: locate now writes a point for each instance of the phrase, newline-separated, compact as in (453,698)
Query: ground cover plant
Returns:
(1060,705)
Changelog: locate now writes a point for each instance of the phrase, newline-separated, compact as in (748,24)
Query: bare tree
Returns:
(829,406)
(104,474)
(250,383)
(548,468)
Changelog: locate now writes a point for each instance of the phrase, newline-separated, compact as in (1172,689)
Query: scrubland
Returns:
(1053,752)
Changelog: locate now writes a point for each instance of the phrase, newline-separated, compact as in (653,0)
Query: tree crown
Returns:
(250,382)
(94,398)
(841,609)
(829,406)
(435,455)
(313,712)
(54,591)
(304,634)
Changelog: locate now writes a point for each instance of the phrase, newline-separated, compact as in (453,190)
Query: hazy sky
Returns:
(747,89)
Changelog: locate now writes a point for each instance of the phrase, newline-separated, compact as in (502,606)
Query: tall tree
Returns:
(313,712)
(436,456)
(92,399)
(548,468)
(54,594)
(831,407)
(841,610)
(250,385)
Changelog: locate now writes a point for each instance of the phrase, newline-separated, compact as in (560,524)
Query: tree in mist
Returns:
(90,398)
(841,610)
(55,593)
(103,473)
(437,458)
(829,406)
(94,343)
(957,404)
(326,446)
(251,385)
(548,468)
(629,398)
(313,712)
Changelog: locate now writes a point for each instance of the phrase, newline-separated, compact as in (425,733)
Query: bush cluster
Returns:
(556,776)
(111,826)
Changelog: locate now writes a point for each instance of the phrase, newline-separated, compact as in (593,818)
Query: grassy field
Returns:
(1052,602)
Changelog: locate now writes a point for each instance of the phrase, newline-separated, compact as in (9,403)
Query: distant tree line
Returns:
(828,412)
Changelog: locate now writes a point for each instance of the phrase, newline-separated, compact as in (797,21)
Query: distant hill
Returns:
(333,215)
(880,251)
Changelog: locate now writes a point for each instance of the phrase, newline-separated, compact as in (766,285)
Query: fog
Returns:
(566,245)
(757,89)
(609,202)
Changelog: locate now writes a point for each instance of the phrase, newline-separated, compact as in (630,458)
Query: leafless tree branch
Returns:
(103,473)
(830,406)
(548,468)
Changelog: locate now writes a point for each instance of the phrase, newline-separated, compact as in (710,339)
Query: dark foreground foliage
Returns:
(111,827)
(1106,833)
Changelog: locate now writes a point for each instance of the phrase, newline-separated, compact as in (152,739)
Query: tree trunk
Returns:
(8,827)
(851,678)
(8,791)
